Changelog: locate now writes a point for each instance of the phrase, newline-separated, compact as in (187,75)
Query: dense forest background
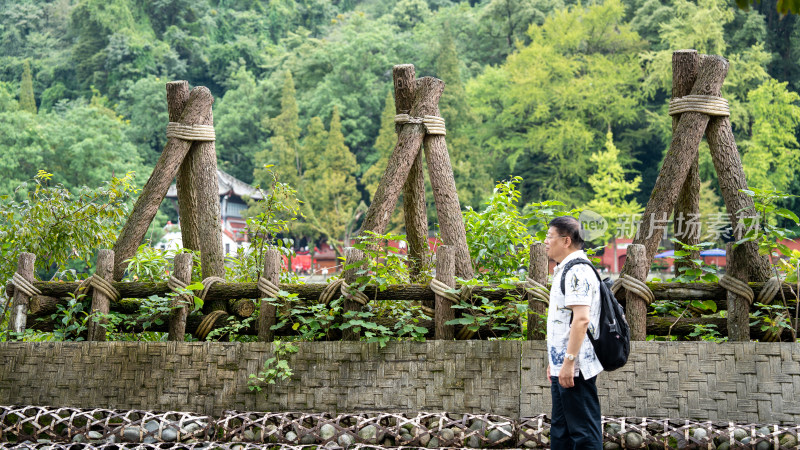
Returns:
(570,96)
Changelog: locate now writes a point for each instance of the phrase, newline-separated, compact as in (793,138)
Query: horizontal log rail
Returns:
(418,292)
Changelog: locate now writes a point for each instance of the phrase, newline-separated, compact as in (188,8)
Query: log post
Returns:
(100,301)
(409,140)
(685,64)
(177,320)
(730,174)
(636,307)
(155,189)
(445,193)
(445,272)
(353,256)
(19,305)
(677,162)
(198,200)
(414,212)
(738,315)
(267,312)
(538,267)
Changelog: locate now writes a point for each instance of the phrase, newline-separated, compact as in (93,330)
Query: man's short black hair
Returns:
(569,226)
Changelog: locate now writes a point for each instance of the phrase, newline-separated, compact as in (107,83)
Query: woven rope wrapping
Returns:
(352,294)
(100,284)
(268,288)
(705,104)
(738,287)
(537,290)
(190,132)
(207,283)
(330,291)
(24,286)
(444,291)
(767,294)
(634,285)
(178,286)
(434,125)
(207,324)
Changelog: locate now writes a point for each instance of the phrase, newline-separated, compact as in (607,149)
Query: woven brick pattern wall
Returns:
(740,382)
(469,376)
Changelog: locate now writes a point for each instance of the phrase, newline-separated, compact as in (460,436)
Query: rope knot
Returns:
(738,287)
(268,288)
(705,104)
(444,291)
(635,286)
(434,125)
(191,132)
(99,283)
(537,290)
(24,286)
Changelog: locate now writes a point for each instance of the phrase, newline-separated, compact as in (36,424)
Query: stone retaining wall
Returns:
(742,382)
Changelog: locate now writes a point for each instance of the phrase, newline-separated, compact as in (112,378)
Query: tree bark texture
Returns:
(636,307)
(198,199)
(738,307)
(426,97)
(685,64)
(731,177)
(19,305)
(155,189)
(180,311)
(538,268)
(100,301)
(56,293)
(352,256)
(267,312)
(414,208)
(677,163)
(445,193)
(445,272)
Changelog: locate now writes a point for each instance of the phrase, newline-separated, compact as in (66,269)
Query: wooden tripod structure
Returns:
(677,187)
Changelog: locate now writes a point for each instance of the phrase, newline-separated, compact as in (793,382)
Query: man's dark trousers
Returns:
(575,422)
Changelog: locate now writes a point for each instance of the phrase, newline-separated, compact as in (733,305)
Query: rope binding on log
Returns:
(767,294)
(537,290)
(207,283)
(345,290)
(738,287)
(26,287)
(705,104)
(177,286)
(207,324)
(99,284)
(434,125)
(267,288)
(635,286)
(191,132)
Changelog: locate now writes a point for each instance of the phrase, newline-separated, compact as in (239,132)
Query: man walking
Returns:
(573,365)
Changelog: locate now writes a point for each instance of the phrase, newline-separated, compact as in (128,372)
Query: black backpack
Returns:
(613,343)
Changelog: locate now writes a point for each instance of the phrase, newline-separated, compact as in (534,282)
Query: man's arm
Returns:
(577,333)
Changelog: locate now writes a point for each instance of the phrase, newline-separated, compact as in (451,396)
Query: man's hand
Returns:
(567,374)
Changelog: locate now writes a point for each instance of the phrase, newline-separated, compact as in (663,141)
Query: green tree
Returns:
(26,100)
(144,105)
(547,108)
(772,155)
(283,151)
(469,167)
(612,191)
(329,185)
(382,148)
(241,130)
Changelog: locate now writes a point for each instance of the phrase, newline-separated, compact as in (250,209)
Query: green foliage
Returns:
(772,155)
(759,226)
(275,368)
(694,270)
(26,99)
(549,105)
(59,226)
(284,151)
(611,190)
(499,242)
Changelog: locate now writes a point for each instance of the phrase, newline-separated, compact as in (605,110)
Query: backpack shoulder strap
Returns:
(573,263)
